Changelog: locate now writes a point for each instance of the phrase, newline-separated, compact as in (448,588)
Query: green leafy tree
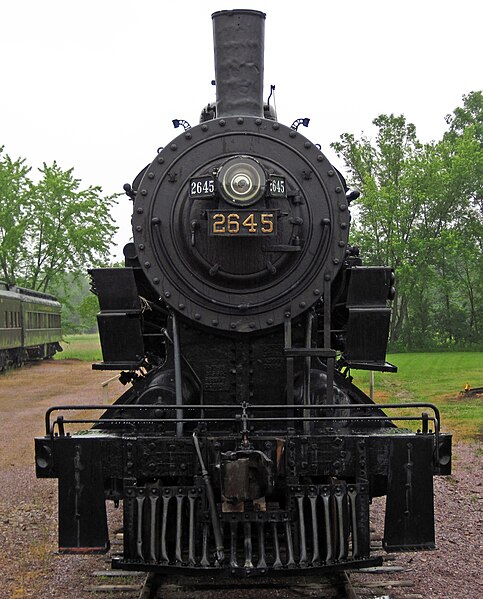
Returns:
(14,198)
(88,310)
(51,226)
(391,201)
(420,213)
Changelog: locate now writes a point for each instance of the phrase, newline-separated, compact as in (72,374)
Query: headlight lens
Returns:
(241,181)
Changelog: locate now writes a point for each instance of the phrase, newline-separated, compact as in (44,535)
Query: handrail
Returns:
(49,427)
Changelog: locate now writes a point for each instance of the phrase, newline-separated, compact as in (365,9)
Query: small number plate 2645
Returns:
(202,187)
(242,223)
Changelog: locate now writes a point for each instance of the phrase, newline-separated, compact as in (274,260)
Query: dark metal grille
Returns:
(326,524)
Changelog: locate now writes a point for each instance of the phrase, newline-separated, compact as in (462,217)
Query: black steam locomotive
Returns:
(240,444)
(30,326)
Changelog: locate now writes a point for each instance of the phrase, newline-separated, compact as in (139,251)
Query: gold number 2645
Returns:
(230,223)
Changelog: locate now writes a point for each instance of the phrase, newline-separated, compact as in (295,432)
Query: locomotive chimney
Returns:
(238,37)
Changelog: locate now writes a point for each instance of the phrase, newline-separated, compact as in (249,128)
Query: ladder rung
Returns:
(309,352)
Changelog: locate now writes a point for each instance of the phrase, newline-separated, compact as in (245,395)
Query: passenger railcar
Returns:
(30,327)
(241,445)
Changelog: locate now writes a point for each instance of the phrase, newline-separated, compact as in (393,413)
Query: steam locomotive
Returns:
(29,325)
(240,445)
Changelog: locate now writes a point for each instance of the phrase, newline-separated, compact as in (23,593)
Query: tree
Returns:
(420,213)
(468,115)
(52,226)
(14,197)
(391,201)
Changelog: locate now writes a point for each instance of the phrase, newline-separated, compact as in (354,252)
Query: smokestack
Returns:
(238,37)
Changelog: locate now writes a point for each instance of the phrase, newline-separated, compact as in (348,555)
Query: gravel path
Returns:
(31,567)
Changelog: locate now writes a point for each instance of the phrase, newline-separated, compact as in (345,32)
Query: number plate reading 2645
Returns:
(242,223)
(202,187)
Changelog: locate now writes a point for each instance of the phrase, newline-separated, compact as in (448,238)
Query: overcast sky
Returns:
(95,84)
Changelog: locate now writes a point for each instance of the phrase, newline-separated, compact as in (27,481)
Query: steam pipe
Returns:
(238,38)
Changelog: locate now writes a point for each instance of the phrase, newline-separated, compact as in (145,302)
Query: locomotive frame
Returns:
(241,446)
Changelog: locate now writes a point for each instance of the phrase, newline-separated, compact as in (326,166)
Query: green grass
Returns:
(437,378)
(81,347)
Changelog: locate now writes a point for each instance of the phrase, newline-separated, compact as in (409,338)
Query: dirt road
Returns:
(29,564)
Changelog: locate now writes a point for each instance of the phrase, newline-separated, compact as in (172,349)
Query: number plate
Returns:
(202,187)
(277,187)
(242,223)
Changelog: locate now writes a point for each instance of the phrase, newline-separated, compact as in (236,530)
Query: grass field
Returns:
(81,347)
(432,377)
(438,378)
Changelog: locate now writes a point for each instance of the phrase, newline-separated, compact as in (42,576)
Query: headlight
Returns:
(241,181)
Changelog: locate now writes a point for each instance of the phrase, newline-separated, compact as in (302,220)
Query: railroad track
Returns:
(335,586)
(342,585)
(369,583)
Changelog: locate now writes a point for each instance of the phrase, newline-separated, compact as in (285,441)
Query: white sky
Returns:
(95,84)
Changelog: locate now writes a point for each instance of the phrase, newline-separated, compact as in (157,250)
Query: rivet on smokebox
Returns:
(330,173)
(173,147)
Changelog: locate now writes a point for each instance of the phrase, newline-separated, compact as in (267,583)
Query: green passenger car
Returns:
(30,325)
